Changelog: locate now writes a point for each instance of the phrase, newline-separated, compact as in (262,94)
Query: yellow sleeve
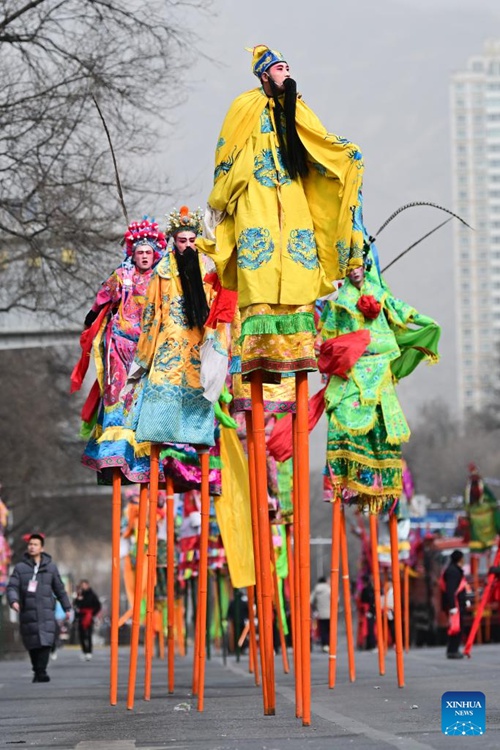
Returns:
(151,321)
(227,189)
(332,188)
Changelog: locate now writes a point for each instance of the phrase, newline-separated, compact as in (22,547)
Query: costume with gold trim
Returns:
(281,242)
(168,403)
(366,424)
(124,293)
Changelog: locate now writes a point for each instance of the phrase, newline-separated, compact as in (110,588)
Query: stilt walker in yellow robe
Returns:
(279,227)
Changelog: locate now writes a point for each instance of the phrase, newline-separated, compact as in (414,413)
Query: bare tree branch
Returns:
(59,204)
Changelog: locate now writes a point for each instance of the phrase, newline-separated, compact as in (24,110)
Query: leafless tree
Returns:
(441,448)
(59,208)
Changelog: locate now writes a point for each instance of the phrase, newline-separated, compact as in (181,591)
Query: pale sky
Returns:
(377,73)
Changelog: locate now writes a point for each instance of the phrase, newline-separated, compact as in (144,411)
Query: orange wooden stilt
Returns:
(138,591)
(277,608)
(407,607)
(196,645)
(297,624)
(396,586)
(334,588)
(170,584)
(152,544)
(159,615)
(179,628)
(376,589)
(252,651)
(385,612)
(256,551)
(124,617)
(251,659)
(291,580)
(347,598)
(302,459)
(116,513)
(266,624)
(203,576)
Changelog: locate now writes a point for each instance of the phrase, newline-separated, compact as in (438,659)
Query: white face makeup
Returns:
(356,276)
(185,239)
(143,257)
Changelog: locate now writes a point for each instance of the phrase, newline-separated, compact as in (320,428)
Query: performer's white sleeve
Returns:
(212,218)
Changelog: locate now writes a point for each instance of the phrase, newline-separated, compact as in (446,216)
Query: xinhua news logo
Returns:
(463,714)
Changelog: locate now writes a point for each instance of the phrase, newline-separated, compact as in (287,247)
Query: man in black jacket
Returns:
(454,599)
(32,590)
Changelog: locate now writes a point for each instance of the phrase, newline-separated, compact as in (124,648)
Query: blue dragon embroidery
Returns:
(343,255)
(224,166)
(356,156)
(168,357)
(266,125)
(319,168)
(337,139)
(177,312)
(255,247)
(302,248)
(267,172)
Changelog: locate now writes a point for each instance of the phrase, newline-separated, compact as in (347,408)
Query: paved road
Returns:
(72,711)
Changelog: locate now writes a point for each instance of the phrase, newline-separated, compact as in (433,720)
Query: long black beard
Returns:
(292,149)
(195,302)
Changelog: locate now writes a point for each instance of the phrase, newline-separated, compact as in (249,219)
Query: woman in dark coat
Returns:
(86,606)
(32,590)
(454,600)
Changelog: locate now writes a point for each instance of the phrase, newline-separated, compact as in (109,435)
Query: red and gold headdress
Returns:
(145,232)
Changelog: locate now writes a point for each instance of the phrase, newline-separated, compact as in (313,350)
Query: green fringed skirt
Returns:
(366,464)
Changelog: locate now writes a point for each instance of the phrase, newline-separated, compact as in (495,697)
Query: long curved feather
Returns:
(117,174)
(415,244)
(420,203)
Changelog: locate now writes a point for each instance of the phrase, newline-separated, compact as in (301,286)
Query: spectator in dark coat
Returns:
(454,599)
(367,601)
(32,590)
(87,606)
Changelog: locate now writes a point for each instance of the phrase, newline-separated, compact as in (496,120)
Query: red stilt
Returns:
(266,625)
(490,580)
(334,587)
(474,569)
(347,598)
(152,543)
(116,513)
(376,589)
(302,459)
(396,586)
(256,552)
(203,576)
(138,591)
(170,584)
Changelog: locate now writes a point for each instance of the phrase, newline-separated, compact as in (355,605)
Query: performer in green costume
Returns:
(366,425)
